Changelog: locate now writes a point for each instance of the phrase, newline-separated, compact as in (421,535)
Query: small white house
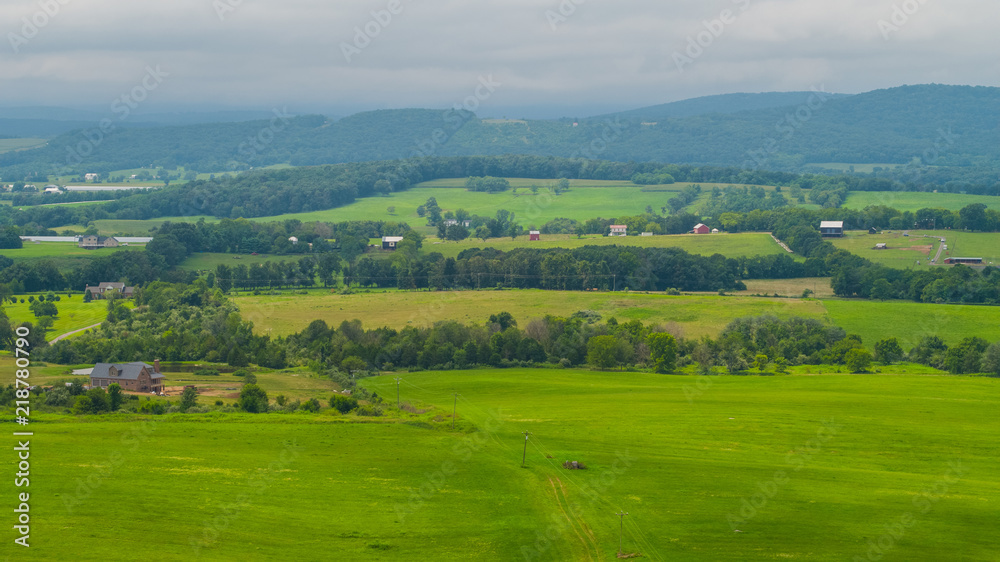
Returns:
(91,177)
(293,240)
(619,230)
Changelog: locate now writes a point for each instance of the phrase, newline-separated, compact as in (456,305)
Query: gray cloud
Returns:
(290,52)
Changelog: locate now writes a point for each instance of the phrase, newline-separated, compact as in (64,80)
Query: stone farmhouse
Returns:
(135,377)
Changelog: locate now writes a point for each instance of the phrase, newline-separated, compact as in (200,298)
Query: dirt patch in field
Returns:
(925,250)
(204,391)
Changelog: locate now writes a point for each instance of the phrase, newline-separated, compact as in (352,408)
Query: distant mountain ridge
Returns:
(722,103)
(936,125)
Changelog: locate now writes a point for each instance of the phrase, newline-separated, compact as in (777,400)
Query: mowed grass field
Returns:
(9,145)
(921,245)
(729,245)
(74,314)
(828,461)
(695,315)
(914,201)
(692,315)
(65,255)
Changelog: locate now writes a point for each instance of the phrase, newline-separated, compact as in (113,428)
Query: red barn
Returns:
(535,235)
(701,229)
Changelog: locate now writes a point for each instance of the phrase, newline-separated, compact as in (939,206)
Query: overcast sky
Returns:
(547,58)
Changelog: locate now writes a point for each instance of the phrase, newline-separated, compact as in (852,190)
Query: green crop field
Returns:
(692,315)
(729,245)
(9,145)
(65,255)
(912,321)
(74,314)
(913,201)
(722,468)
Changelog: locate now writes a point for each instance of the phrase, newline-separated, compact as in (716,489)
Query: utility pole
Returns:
(524,456)
(397,392)
(621,531)
(453,410)
(614,287)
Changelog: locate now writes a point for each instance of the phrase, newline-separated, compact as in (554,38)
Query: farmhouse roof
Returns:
(126,371)
(534,232)
(619,226)
(392,238)
(699,225)
(831,224)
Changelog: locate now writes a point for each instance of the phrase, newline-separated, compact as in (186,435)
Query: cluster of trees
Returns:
(280,274)
(763,342)
(958,284)
(488,184)
(971,355)
(607,268)
(176,322)
(744,200)
(175,241)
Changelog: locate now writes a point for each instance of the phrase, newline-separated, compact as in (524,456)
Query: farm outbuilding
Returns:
(389,242)
(701,229)
(882,246)
(831,228)
(535,235)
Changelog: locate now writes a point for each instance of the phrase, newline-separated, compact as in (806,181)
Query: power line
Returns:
(524,455)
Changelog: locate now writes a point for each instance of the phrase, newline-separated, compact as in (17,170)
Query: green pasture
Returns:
(74,314)
(829,462)
(65,255)
(9,145)
(729,245)
(914,201)
(692,315)
(921,245)
(903,251)
(912,321)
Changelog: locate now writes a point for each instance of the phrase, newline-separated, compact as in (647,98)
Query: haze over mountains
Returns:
(933,124)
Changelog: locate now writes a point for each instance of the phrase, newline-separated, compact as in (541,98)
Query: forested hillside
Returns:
(949,131)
